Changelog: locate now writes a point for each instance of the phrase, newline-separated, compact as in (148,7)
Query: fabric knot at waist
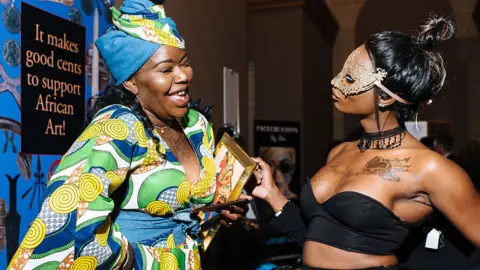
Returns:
(140,227)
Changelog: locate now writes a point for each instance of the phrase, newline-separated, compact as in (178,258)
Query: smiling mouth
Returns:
(180,93)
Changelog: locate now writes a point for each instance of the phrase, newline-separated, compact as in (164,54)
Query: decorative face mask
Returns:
(357,78)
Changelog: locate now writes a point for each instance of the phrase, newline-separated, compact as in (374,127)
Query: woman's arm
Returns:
(453,193)
(74,220)
(289,220)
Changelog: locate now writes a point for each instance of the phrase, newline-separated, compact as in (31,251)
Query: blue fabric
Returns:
(136,7)
(266,266)
(277,240)
(146,229)
(124,54)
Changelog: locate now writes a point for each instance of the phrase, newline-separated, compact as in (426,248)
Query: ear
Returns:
(382,103)
(131,86)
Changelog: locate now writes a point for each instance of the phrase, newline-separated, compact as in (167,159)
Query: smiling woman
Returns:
(121,196)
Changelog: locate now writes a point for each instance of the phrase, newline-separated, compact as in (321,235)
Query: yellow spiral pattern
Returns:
(158,208)
(209,165)
(85,263)
(152,154)
(102,233)
(168,261)
(183,192)
(91,132)
(90,187)
(203,185)
(140,134)
(35,234)
(116,129)
(65,199)
(170,241)
(115,180)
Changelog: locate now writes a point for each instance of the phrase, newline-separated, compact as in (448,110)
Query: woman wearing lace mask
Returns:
(360,207)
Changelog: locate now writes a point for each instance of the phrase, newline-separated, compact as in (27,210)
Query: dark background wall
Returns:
(215,32)
(317,113)
(292,51)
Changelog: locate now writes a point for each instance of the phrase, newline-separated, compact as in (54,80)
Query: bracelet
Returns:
(279,212)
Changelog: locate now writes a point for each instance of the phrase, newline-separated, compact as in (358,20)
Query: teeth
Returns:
(182,93)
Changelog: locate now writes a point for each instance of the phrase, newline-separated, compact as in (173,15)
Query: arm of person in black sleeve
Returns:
(290,223)
(288,220)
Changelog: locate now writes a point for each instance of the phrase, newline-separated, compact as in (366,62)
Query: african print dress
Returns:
(81,226)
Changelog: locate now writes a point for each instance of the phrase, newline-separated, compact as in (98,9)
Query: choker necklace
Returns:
(382,140)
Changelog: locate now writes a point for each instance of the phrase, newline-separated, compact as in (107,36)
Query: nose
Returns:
(182,76)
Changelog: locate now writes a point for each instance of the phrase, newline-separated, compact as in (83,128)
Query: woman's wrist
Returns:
(276,199)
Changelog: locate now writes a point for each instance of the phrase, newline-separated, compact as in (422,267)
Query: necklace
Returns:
(382,140)
(161,128)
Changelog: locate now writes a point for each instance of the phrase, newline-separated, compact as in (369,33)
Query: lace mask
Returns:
(357,78)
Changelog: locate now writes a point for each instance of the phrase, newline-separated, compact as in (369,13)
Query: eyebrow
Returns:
(169,61)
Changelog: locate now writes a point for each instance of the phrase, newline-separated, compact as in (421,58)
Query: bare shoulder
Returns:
(337,150)
(452,192)
(440,170)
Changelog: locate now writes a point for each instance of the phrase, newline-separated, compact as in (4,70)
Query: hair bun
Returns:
(434,31)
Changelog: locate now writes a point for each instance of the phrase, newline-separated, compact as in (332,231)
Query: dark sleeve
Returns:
(291,224)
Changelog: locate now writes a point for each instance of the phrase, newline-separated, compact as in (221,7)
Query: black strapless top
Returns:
(352,221)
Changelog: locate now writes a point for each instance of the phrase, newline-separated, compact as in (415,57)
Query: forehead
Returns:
(165,53)
(358,56)
(168,52)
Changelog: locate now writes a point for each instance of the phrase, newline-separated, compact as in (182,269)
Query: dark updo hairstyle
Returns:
(415,73)
(119,95)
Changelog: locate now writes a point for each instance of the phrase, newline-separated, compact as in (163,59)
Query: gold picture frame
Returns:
(234,167)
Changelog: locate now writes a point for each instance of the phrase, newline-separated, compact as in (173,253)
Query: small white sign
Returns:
(433,239)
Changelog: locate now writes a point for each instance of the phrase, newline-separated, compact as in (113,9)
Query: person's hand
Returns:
(265,182)
(236,213)
(266,188)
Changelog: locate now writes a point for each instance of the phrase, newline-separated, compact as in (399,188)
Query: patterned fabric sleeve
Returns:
(208,143)
(73,229)
(211,137)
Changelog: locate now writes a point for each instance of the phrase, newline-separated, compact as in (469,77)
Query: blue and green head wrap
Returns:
(141,27)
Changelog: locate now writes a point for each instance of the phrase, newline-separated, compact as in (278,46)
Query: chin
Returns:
(343,108)
(338,106)
(179,112)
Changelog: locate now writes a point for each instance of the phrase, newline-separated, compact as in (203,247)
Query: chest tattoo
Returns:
(387,169)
